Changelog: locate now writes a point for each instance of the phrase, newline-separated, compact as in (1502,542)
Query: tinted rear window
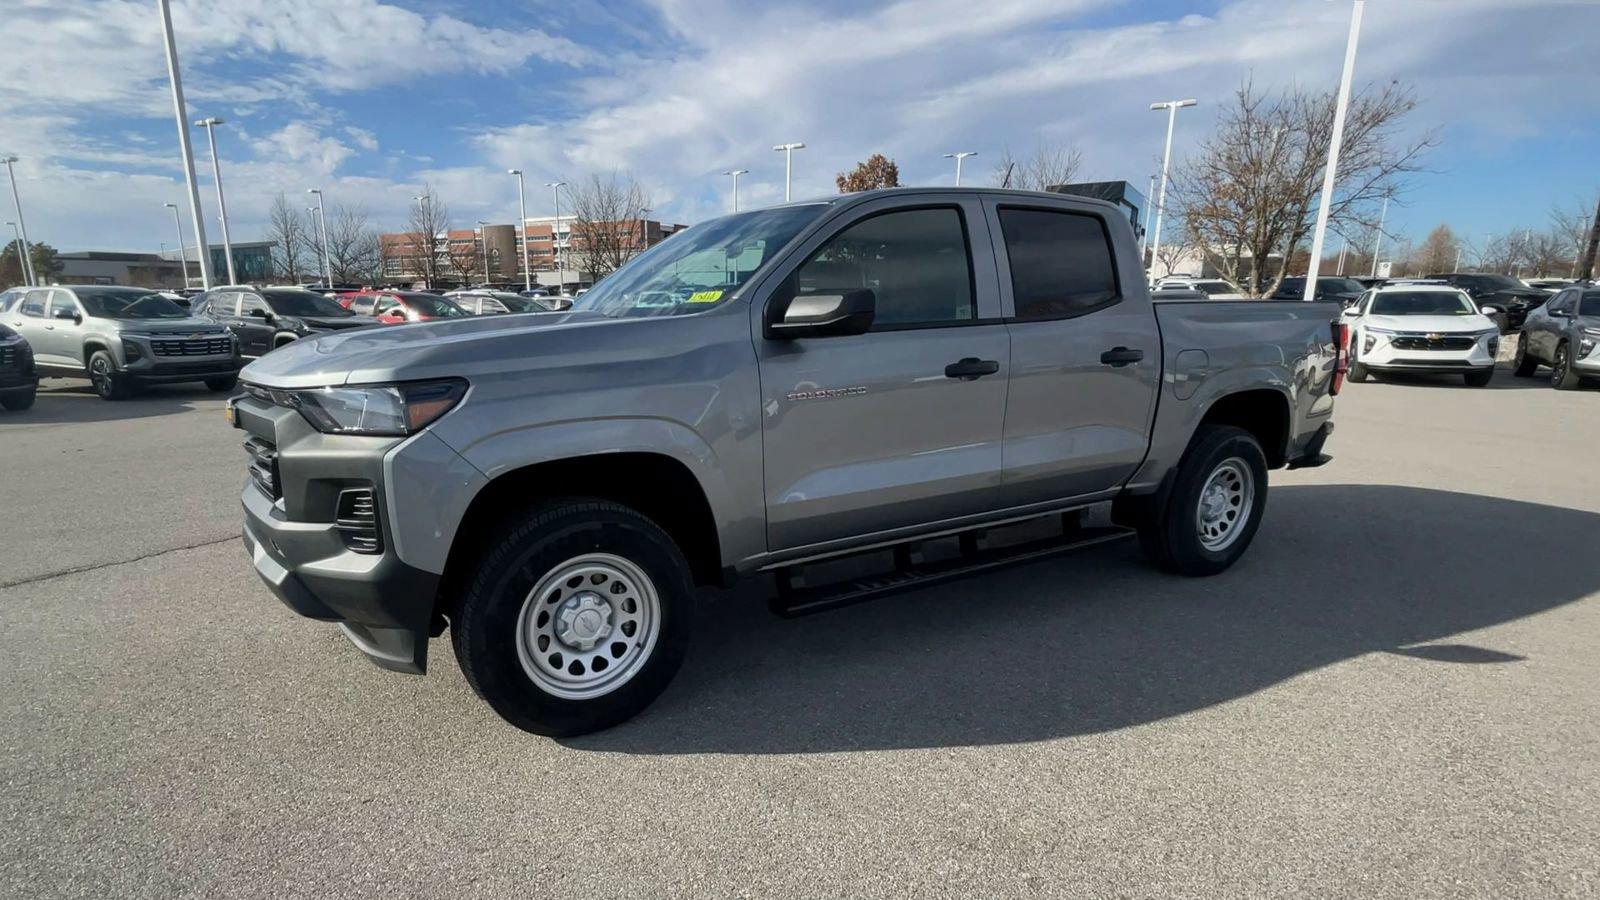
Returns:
(1060,263)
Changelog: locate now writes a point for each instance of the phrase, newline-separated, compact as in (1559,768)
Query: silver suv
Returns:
(120,337)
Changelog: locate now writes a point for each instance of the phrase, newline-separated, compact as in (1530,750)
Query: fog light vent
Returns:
(357,520)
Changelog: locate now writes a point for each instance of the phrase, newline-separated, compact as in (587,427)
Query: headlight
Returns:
(388,410)
(1383,331)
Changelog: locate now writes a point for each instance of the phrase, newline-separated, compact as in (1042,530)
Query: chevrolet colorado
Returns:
(763,392)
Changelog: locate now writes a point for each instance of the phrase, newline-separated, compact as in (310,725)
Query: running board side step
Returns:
(795,598)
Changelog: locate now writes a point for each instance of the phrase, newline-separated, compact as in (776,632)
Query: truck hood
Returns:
(435,349)
(1441,324)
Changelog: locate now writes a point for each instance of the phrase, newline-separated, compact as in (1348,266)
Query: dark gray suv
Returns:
(1564,334)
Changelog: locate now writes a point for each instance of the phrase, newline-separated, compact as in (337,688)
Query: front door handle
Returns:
(1117,357)
(971,368)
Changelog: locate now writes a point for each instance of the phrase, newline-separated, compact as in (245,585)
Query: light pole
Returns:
(1172,107)
(1345,245)
(1377,242)
(432,258)
(322,216)
(183,255)
(958,157)
(522,208)
(1458,258)
(1332,169)
(22,259)
(483,239)
(788,163)
(323,252)
(22,226)
(555,235)
(736,173)
(182,114)
(210,124)
(644,229)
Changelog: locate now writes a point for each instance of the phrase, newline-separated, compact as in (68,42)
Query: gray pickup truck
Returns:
(890,371)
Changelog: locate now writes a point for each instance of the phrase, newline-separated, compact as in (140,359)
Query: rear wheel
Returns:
(1526,362)
(1562,378)
(1480,378)
(576,619)
(1215,505)
(107,381)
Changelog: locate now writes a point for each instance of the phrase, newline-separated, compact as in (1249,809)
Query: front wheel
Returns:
(1478,379)
(1526,362)
(1562,378)
(1357,371)
(576,619)
(108,383)
(1215,505)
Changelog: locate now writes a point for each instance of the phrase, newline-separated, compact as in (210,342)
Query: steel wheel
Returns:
(588,626)
(1225,503)
(100,375)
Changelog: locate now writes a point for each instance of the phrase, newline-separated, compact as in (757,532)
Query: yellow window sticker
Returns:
(705,296)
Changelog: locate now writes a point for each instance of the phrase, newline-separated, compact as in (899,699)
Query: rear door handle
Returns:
(1120,356)
(971,368)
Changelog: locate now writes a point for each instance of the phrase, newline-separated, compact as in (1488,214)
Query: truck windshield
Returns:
(693,271)
(1422,303)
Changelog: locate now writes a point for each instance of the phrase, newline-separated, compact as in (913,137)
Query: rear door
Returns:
(1085,351)
(865,434)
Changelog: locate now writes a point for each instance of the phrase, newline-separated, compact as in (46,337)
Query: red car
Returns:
(395,307)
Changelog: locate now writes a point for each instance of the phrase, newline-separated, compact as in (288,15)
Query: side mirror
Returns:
(70,314)
(1489,309)
(262,314)
(825,315)
(1349,311)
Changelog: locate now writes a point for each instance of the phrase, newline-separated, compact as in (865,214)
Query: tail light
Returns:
(1341,355)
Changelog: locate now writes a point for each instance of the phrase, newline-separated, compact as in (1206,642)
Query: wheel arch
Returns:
(1264,412)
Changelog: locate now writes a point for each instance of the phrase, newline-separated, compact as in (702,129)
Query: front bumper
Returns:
(303,554)
(1419,352)
(1587,363)
(158,359)
(16,368)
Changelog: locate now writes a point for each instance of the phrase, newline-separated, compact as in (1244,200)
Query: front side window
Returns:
(1060,263)
(61,301)
(128,303)
(914,261)
(252,305)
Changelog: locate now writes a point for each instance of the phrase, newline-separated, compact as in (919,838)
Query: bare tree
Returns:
(464,259)
(429,216)
(353,252)
(1251,191)
(1438,252)
(289,230)
(876,171)
(1175,249)
(1048,164)
(606,216)
(1572,225)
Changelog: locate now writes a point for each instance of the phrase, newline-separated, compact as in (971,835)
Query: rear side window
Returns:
(1060,263)
(34,304)
(914,261)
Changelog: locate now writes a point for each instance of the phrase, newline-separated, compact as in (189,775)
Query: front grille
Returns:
(191,346)
(1424,342)
(1432,363)
(357,520)
(264,466)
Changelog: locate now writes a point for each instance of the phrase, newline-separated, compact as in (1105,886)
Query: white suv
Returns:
(1213,288)
(1419,327)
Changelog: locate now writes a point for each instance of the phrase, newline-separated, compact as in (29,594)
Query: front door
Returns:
(864,434)
(28,318)
(255,325)
(1085,358)
(63,331)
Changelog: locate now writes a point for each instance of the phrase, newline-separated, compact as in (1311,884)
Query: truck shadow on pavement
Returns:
(1102,641)
(72,400)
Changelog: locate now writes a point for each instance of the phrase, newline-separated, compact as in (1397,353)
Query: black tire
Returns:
(485,623)
(108,383)
(1356,371)
(17,401)
(1527,363)
(1562,378)
(222,384)
(1478,379)
(1169,532)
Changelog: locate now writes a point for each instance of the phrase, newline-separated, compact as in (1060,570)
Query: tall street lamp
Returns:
(644,229)
(555,235)
(22,226)
(1345,245)
(736,173)
(1328,174)
(182,114)
(210,124)
(958,157)
(522,208)
(1172,107)
(431,257)
(788,163)
(322,247)
(322,216)
(1149,200)
(1377,242)
(183,255)
(483,238)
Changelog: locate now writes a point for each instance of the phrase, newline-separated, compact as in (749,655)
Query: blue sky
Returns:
(370,99)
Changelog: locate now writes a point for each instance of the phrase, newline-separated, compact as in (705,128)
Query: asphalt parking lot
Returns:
(1394,694)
